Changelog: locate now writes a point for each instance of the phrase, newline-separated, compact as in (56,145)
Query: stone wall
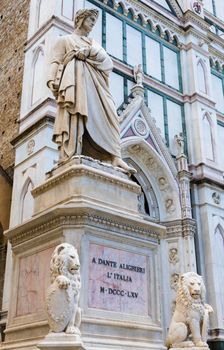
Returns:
(13,34)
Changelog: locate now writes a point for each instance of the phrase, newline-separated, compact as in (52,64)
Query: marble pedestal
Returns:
(83,181)
(94,207)
(61,341)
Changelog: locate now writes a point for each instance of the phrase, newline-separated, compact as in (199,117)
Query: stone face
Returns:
(118,280)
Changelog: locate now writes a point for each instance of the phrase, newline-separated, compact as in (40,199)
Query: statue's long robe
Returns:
(84,100)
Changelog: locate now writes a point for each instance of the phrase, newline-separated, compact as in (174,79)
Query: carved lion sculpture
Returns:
(190,315)
(64,314)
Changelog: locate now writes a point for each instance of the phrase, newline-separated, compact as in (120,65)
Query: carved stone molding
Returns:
(59,219)
(189,227)
(82,170)
(181,228)
(174,228)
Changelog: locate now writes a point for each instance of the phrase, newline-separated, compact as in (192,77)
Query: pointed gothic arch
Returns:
(131,14)
(121,8)
(42,14)
(137,151)
(68,9)
(218,223)
(208,132)
(158,30)
(220,230)
(26,200)
(168,36)
(202,76)
(218,250)
(176,40)
(38,64)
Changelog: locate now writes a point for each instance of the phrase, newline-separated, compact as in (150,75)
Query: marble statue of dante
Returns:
(86,121)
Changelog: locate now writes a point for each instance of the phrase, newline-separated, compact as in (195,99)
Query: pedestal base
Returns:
(61,341)
(95,208)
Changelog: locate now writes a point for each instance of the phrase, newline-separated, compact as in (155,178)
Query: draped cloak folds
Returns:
(84,100)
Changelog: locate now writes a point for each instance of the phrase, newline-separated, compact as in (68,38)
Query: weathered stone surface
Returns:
(13,35)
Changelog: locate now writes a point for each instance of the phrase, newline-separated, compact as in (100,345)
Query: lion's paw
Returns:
(209,308)
(72,330)
(200,343)
(63,282)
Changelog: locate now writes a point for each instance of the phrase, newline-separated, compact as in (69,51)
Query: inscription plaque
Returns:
(118,280)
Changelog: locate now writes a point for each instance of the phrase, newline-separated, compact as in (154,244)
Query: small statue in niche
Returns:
(179,140)
(63,311)
(191,314)
(138,74)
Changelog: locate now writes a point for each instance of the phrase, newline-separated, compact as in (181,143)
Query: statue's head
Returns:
(86,19)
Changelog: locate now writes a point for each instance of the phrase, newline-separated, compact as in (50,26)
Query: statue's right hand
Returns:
(83,53)
(63,282)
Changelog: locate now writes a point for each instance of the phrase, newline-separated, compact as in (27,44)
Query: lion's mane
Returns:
(184,297)
(59,264)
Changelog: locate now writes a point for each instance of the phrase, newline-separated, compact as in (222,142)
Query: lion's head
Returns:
(191,288)
(64,261)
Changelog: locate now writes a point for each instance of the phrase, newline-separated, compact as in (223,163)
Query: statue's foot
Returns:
(72,330)
(118,162)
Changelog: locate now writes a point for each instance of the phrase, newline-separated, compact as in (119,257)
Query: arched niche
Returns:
(38,75)
(68,9)
(202,76)
(27,200)
(148,205)
(138,151)
(208,134)
(219,264)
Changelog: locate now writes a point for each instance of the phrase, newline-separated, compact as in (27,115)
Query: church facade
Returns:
(168,86)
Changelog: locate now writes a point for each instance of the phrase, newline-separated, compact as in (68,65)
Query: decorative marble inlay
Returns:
(140,127)
(34,278)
